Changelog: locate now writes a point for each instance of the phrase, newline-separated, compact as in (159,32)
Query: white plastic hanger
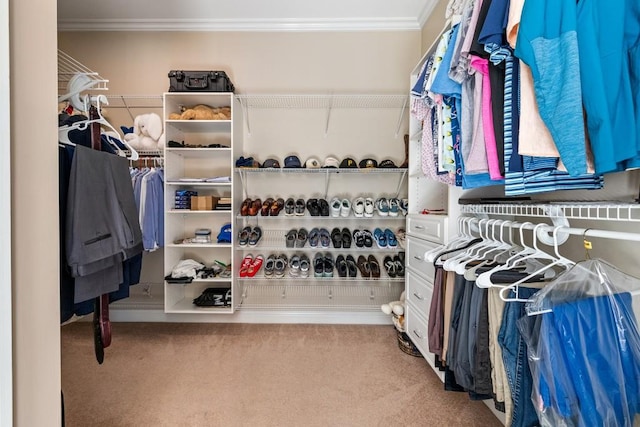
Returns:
(452,263)
(464,237)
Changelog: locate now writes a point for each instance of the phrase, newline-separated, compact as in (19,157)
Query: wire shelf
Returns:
(323,170)
(323,101)
(69,67)
(601,211)
(306,216)
(336,297)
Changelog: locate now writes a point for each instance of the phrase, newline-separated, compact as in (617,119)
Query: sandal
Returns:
(243,237)
(351,266)
(390,266)
(266,207)
(302,238)
(244,267)
(323,207)
(255,266)
(374,267)
(368,238)
(399,266)
(363,266)
(255,207)
(244,208)
(358,236)
(346,238)
(341,266)
(289,206)
(336,238)
(312,207)
(255,236)
(276,207)
(325,238)
(314,237)
(291,236)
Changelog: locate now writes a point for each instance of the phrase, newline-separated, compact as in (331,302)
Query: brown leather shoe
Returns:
(255,207)
(266,207)
(277,206)
(244,208)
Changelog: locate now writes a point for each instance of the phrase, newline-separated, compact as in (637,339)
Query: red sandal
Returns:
(255,266)
(244,267)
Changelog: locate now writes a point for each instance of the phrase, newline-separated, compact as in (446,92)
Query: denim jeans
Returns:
(514,354)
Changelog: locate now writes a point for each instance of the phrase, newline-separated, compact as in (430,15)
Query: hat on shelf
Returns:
(387,163)
(271,163)
(292,162)
(225,234)
(368,163)
(312,163)
(331,162)
(243,162)
(347,163)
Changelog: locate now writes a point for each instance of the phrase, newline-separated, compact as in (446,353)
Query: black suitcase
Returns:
(199,81)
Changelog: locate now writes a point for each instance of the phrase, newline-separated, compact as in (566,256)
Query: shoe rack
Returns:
(209,151)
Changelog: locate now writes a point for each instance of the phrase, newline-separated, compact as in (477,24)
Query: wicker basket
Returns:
(405,344)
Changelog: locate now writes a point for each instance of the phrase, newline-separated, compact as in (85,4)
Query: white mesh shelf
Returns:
(364,171)
(603,211)
(323,101)
(275,239)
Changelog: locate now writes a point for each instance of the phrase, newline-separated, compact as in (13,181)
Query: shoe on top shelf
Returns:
(358,207)
(335,207)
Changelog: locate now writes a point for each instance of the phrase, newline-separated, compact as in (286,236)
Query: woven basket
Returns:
(405,344)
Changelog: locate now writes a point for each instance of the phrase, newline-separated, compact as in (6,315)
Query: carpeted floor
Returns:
(159,374)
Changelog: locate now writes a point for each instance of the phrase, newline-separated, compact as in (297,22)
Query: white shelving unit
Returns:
(199,161)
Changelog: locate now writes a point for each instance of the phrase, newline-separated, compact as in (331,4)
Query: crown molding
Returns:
(348,24)
(426,12)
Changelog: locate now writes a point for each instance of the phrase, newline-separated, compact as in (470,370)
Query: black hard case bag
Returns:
(199,81)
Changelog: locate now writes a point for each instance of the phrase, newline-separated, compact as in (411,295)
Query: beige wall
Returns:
(434,24)
(36,309)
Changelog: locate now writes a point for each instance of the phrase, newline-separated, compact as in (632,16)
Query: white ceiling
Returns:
(242,15)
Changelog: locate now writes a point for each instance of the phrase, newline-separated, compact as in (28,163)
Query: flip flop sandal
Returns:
(328,266)
(363,266)
(399,266)
(280,265)
(351,266)
(341,266)
(325,238)
(318,265)
(243,237)
(255,266)
(380,238)
(244,208)
(266,207)
(299,207)
(358,237)
(390,266)
(391,238)
(346,238)
(323,207)
(304,266)
(374,267)
(255,236)
(291,237)
(244,267)
(314,237)
(269,266)
(302,238)
(276,207)
(336,238)
(289,207)
(313,207)
(255,207)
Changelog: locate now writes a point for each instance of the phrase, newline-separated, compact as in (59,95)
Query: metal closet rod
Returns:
(584,232)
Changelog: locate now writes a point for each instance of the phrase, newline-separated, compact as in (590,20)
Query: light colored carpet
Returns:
(159,374)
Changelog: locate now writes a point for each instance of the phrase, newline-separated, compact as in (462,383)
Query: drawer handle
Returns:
(420,297)
(418,258)
(417,334)
(419,227)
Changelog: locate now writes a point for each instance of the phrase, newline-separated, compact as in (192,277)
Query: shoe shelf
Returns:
(335,280)
(194,212)
(276,240)
(195,281)
(376,217)
(198,245)
(325,297)
(325,171)
(198,184)
(186,306)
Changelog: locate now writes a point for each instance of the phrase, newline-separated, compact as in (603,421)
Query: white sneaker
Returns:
(368,207)
(335,207)
(358,207)
(345,208)
(394,206)
(383,206)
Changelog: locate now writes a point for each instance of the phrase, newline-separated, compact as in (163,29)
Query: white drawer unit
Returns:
(432,228)
(416,327)
(416,249)
(419,292)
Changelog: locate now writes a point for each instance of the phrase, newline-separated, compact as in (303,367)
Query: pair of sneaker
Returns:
(299,266)
(363,207)
(275,265)
(340,208)
(323,265)
(249,236)
(250,265)
(391,206)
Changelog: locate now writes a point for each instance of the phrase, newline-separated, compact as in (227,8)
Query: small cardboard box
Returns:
(201,203)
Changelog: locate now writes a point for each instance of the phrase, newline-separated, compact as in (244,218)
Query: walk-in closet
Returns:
(350,213)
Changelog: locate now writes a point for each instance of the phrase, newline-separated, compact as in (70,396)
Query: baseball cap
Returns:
(312,163)
(225,234)
(292,162)
(387,163)
(247,162)
(348,162)
(368,163)
(271,163)
(331,162)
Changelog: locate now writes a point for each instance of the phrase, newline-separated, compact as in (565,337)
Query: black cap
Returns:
(368,163)
(387,163)
(271,163)
(348,162)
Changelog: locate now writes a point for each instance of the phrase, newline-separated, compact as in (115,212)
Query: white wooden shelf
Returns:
(198,184)
(200,126)
(196,151)
(186,306)
(190,212)
(198,245)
